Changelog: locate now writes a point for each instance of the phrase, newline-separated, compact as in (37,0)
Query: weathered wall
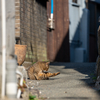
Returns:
(40,19)
(31,28)
(98,58)
(94,24)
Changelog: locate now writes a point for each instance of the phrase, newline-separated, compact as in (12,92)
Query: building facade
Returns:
(79,31)
(31,28)
(74,37)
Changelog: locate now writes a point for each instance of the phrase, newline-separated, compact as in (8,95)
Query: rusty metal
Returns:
(58,39)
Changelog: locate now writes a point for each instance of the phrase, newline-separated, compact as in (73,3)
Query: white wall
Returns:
(78,30)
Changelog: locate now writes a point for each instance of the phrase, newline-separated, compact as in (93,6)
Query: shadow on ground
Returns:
(87,69)
(67,98)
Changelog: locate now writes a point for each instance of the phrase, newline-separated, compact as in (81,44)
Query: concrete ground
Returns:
(74,83)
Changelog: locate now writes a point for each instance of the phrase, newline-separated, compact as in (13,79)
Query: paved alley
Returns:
(74,83)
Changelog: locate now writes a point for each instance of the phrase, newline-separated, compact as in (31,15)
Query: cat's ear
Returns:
(47,63)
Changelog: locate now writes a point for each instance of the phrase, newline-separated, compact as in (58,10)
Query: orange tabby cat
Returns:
(37,71)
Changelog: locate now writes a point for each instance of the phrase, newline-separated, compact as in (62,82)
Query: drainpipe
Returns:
(51,9)
(51,21)
(3,7)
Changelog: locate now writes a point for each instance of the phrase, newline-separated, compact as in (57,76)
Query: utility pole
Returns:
(7,45)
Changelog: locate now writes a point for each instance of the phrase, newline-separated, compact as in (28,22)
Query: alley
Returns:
(74,83)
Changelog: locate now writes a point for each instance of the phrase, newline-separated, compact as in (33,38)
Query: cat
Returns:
(39,71)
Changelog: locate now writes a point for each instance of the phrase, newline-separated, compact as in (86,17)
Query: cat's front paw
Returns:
(58,73)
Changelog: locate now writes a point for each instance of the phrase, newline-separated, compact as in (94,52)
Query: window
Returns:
(74,1)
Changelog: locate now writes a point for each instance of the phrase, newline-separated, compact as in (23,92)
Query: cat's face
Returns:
(47,66)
